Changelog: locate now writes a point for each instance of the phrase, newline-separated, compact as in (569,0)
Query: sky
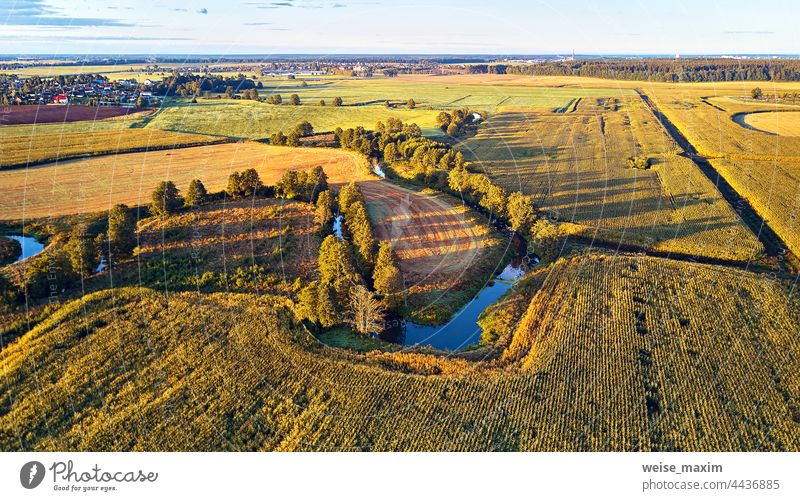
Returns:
(398,27)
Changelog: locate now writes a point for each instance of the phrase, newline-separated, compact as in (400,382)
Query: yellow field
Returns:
(762,167)
(98,183)
(686,357)
(783,123)
(575,164)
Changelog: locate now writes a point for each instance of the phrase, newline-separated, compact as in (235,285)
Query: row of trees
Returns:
(664,70)
(342,294)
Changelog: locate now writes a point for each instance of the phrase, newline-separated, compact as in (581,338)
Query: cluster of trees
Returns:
(479,190)
(190,84)
(459,122)
(303,129)
(56,270)
(395,141)
(302,184)
(243,184)
(664,70)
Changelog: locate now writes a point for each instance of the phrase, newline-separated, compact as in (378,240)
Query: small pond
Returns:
(30,246)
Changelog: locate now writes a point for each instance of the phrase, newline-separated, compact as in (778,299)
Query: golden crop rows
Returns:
(133,369)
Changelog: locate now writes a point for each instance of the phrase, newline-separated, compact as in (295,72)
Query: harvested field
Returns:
(50,113)
(443,247)
(95,184)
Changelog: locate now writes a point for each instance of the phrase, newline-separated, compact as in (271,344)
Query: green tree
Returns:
(366,313)
(307,302)
(289,185)
(390,153)
(443,119)
(229,92)
(249,182)
(275,99)
(165,199)
(293,139)
(279,139)
(521,212)
(387,277)
(337,101)
(458,179)
(304,129)
(757,93)
(322,102)
(327,313)
(82,251)
(411,104)
(48,274)
(233,189)
(323,213)
(360,228)
(348,194)
(294,100)
(336,266)
(317,182)
(121,232)
(196,194)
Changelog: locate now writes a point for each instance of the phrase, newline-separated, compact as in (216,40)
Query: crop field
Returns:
(761,166)
(250,119)
(688,357)
(95,184)
(474,91)
(39,148)
(575,165)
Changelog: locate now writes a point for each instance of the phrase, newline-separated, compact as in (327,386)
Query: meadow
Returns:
(687,357)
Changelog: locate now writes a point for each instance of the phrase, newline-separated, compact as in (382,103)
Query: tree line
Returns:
(663,70)
(359,278)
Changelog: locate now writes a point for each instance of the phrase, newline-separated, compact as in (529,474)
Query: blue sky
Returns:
(401,26)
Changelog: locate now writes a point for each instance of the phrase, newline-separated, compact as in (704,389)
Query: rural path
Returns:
(773,243)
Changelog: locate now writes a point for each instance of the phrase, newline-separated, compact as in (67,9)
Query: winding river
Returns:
(30,246)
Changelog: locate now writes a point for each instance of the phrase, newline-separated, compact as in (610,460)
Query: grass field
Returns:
(98,183)
(689,357)
(250,119)
(48,147)
(575,165)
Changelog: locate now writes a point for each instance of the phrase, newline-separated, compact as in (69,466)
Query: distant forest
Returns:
(662,70)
